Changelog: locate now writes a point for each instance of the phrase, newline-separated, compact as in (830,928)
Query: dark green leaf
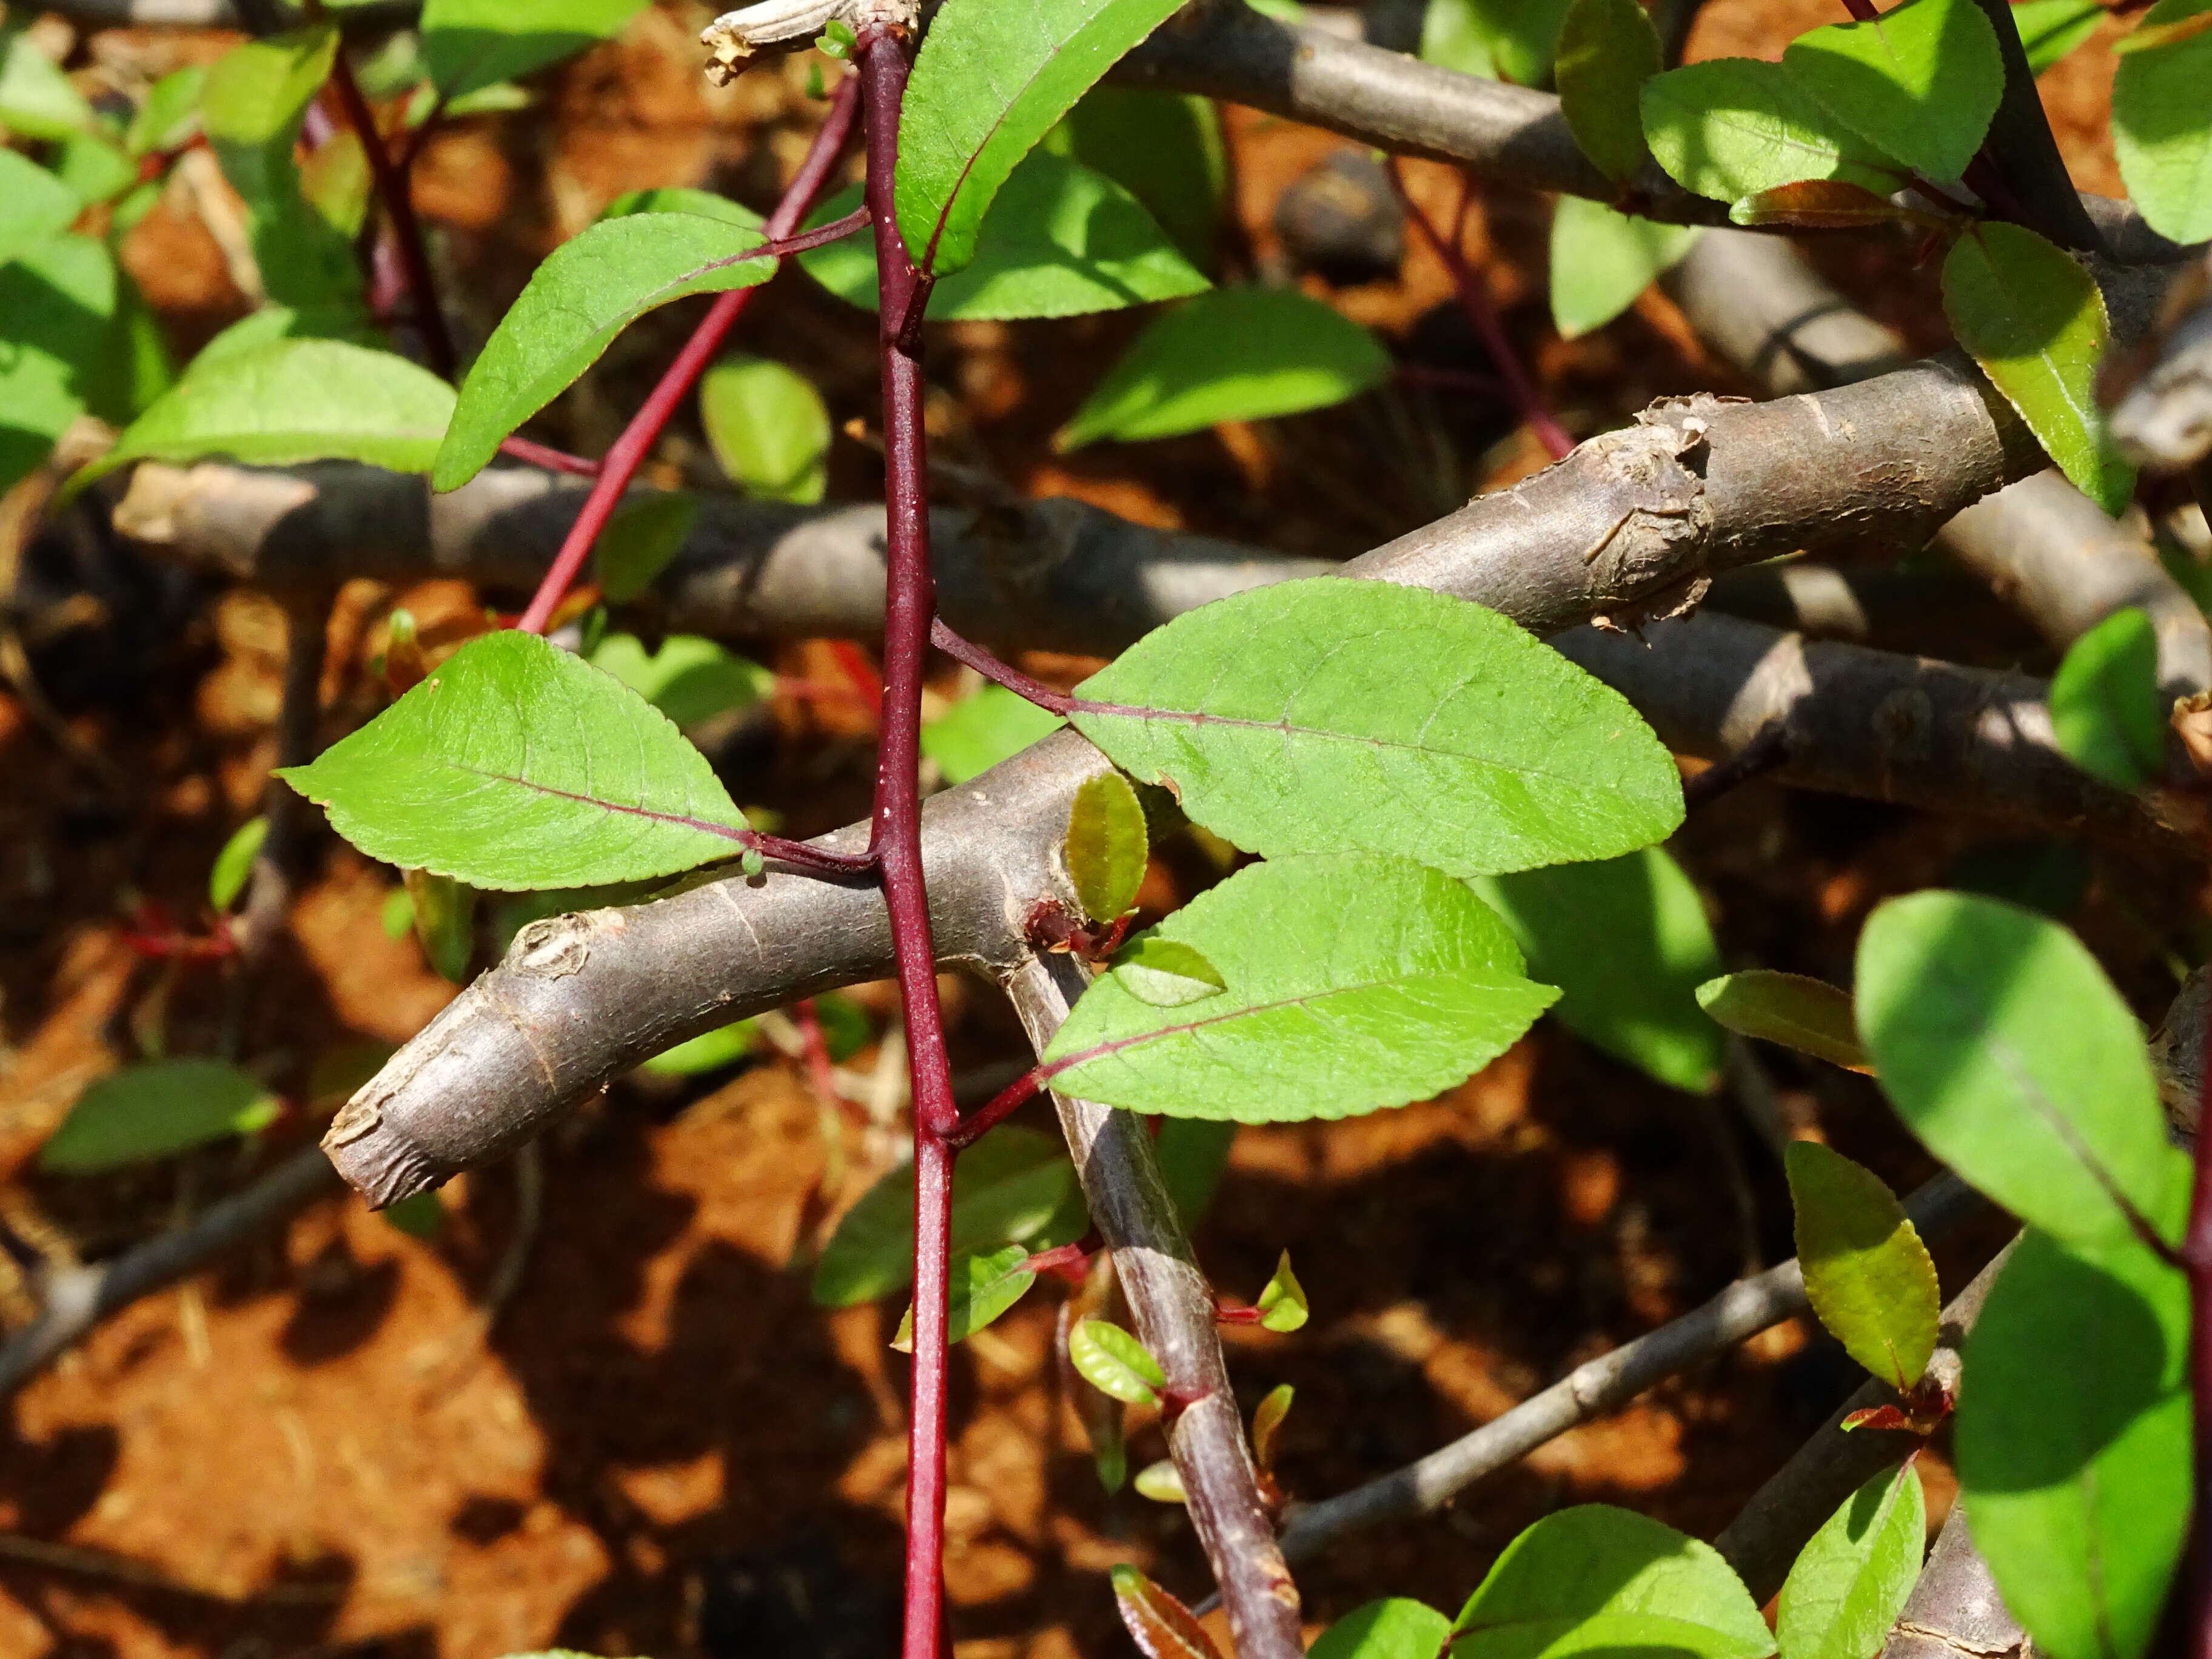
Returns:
(1920,81)
(2106,709)
(1594,1579)
(2047,875)
(640,541)
(1165,149)
(1238,353)
(2008,1053)
(2050,29)
(1282,1303)
(1601,260)
(444,916)
(1165,974)
(1851,1582)
(989,81)
(2160,127)
(1106,848)
(1396,1629)
(472,44)
(710,1051)
(1158,1623)
(37,100)
(593,287)
(145,1112)
(422,1216)
(33,204)
(1194,1155)
(982,1287)
(1498,38)
(518,766)
(1004,1188)
(1808,1015)
(1607,50)
(2074,1441)
(2035,322)
(1867,1273)
(1061,241)
(983,728)
(234,863)
(57,307)
(768,428)
(1735,126)
(1115,1363)
(846,1028)
(1326,716)
(1627,943)
(1421,986)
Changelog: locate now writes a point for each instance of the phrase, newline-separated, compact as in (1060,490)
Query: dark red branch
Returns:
(997,1110)
(398,203)
(552,460)
(967,651)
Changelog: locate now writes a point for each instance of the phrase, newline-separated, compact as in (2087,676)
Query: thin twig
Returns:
(268,896)
(399,203)
(1767,752)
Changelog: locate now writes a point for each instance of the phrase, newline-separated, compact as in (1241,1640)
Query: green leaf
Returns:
(291,401)
(1867,1273)
(233,865)
(422,1216)
(1165,149)
(2051,29)
(1497,39)
(2106,709)
(1237,354)
(1162,974)
(982,1287)
(1420,986)
(472,44)
(1328,715)
(37,100)
(2035,322)
(1061,241)
(57,307)
(1006,1188)
(676,198)
(1282,1303)
(690,679)
(169,116)
(1607,50)
(593,287)
(1627,943)
(2159,126)
(443,913)
(1808,1015)
(1593,1578)
(145,1112)
(35,204)
(1159,1625)
(1161,1482)
(990,81)
(1920,81)
(710,1051)
(1850,1582)
(96,169)
(1106,846)
(1115,1363)
(1193,1155)
(1734,126)
(640,541)
(768,428)
(273,323)
(990,724)
(2006,1049)
(1396,1629)
(2073,1443)
(1601,260)
(518,766)
(1266,1419)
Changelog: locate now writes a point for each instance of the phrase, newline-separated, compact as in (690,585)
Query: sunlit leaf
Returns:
(1496,39)
(1867,1273)
(58,301)
(768,428)
(37,100)
(33,204)
(1161,1483)
(690,679)
(1165,149)
(1106,846)
(1920,81)
(1822,205)
(1850,1582)
(2160,125)
(1601,260)
(990,724)
(151,1111)
(168,117)
(1115,1363)
(2051,29)
(234,864)
(1164,972)
(1396,1629)
(710,1051)
(1808,1015)
(982,1288)
(469,45)
(1282,1303)
(1267,1422)
(1734,126)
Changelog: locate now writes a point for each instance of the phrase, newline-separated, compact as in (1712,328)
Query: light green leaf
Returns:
(1920,81)
(145,1112)
(233,865)
(2051,29)
(1867,1273)
(291,401)
(1851,1582)
(1282,1303)
(518,766)
(1396,1629)
(57,305)
(1165,149)
(768,428)
(1734,126)
(990,724)
(1498,38)
(472,44)
(1328,715)
(989,81)
(1601,260)
(1161,1483)
(710,1051)
(2106,709)
(1006,1188)
(272,323)
(1238,353)
(1627,943)
(2006,1049)
(642,539)
(678,199)
(1607,50)
(1162,974)
(1106,846)
(96,169)
(1061,241)
(1594,1579)
(169,117)
(2036,323)
(2159,124)
(593,287)
(33,204)
(1420,987)
(37,100)
(1808,1015)
(690,679)
(982,1287)
(2072,1442)
(1115,1363)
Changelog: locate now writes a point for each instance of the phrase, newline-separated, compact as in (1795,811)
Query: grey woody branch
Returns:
(1955,1611)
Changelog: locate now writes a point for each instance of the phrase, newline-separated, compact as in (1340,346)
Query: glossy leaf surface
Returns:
(1920,81)
(2106,709)
(2160,125)
(153,1110)
(1115,1363)
(1735,126)
(1850,1582)
(1867,1273)
(768,428)
(1808,1015)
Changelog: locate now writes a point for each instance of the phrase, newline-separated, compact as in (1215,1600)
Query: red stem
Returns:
(994,1111)
(1474,301)
(406,230)
(2197,1253)
(552,460)
(909,604)
(967,651)
(628,453)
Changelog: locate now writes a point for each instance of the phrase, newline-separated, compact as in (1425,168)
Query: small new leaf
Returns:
(1282,1304)
(1867,1273)
(982,1287)
(1159,1623)
(1161,1483)
(1106,846)
(1115,1363)
(233,865)
(2107,710)
(1823,204)
(1808,1015)
(1163,973)
(1267,1421)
